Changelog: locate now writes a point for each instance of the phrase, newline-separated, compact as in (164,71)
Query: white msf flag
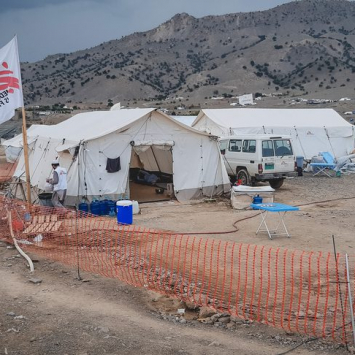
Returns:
(11,96)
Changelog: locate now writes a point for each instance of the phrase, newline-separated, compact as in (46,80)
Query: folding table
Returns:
(281,210)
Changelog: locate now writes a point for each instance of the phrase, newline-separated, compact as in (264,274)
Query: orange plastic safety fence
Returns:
(298,291)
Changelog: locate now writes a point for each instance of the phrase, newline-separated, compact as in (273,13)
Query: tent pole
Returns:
(27,165)
(156,161)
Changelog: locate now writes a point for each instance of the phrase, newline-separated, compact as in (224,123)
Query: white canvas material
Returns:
(11,96)
(312,130)
(192,156)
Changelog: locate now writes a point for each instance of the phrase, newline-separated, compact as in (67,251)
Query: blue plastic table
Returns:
(281,209)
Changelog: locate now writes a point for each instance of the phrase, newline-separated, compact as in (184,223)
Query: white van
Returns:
(259,157)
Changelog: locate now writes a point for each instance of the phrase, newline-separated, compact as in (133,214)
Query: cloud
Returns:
(47,27)
(31,4)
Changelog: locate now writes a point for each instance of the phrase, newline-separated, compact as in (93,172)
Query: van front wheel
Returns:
(243,176)
(276,184)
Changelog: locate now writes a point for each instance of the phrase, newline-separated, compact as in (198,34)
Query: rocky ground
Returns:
(53,312)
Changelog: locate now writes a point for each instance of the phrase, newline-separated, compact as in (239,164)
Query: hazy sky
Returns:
(47,27)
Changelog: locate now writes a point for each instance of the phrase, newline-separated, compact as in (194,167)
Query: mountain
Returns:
(299,48)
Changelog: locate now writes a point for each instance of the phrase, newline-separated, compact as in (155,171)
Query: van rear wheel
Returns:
(276,184)
(243,176)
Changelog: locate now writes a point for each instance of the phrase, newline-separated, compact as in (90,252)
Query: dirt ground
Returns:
(62,315)
(311,228)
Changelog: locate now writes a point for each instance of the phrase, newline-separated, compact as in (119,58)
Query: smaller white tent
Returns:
(312,130)
(139,137)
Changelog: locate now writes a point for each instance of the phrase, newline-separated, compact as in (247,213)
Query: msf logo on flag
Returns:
(7,84)
(11,96)
(7,80)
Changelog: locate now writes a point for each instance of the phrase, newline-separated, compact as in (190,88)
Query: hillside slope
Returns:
(297,48)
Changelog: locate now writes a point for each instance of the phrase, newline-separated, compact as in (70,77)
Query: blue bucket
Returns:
(124,212)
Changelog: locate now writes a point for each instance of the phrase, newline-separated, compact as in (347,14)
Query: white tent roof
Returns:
(84,126)
(256,117)
(312,130)
(89,125)
(192,156)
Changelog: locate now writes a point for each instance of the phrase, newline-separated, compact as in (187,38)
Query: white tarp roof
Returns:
(161,143)
(312,130)
(256,117)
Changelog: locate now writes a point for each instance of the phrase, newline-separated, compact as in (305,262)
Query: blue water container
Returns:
(95,208)
(111,208)
(107,210)
(103,207)
(124,212)
(84,207)
(257,199)
(299,162)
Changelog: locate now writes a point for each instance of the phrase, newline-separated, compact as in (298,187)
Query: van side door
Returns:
(249,156)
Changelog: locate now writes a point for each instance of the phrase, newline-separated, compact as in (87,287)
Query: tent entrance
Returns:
(151,172)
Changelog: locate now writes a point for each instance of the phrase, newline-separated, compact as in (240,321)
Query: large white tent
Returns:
(312,130)
(139,137)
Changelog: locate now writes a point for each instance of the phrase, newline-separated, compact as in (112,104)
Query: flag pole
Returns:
(25,151)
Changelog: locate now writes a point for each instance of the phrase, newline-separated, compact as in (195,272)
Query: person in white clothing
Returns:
(59,182)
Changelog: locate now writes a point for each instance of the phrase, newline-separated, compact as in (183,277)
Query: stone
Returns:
(103,329)
(224,320)
(190,305)
(11,314)
(183,321)
(214,343)
(20,317)
(206,312)
(13,330)
(205,320)
(216,316)
(35,281)
(300,314)
(231,325)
